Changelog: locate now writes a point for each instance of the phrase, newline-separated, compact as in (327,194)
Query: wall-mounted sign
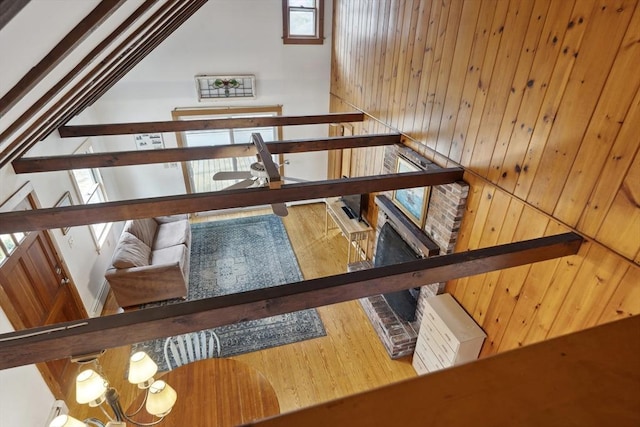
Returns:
(149,141)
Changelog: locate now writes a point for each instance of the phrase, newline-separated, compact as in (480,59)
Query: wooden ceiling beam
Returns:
(91,335)
(151,40)
(126,158)
(48,218)
(79,33)
(186,125)
(165,19)
(9,9)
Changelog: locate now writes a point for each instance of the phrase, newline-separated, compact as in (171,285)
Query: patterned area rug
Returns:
(237,255)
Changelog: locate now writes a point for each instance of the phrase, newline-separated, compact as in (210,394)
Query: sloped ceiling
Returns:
(76,60)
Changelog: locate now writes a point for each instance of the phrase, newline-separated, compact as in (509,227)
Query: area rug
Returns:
(237,255)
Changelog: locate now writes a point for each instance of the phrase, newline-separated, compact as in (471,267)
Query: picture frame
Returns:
(64,201)
(411,201)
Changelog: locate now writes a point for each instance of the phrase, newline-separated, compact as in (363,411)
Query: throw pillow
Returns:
(144,229)
(131,252)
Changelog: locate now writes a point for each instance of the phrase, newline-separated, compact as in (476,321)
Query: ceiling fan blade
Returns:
(231,175)
(280,209)
(242,184)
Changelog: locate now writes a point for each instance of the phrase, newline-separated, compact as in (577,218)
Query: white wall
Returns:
(223,37)
(25,399)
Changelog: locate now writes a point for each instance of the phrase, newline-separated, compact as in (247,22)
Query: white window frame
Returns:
(99,236)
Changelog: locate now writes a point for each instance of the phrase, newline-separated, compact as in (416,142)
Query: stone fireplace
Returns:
(438,236)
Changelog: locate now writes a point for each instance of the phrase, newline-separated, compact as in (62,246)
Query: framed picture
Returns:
(411,201)
(64,201)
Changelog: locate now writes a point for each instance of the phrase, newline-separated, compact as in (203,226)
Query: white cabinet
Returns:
(448,336)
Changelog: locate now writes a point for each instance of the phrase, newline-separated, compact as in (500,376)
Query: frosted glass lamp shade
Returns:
(66,421)
(141,369)
(90,388)
(161,398)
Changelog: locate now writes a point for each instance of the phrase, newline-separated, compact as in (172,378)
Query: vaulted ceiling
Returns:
(103,44)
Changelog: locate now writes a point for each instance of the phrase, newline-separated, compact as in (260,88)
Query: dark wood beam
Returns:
(80,32)
(169,16)
(126,158)
(48,218)
(91,335)
(75,72)
(186,125)
(9,9)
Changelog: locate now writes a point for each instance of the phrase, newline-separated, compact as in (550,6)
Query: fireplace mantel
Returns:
(407,229)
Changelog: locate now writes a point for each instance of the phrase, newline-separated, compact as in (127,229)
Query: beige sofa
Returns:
(151,261)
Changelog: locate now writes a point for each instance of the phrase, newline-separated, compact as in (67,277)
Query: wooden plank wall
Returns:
(539,101)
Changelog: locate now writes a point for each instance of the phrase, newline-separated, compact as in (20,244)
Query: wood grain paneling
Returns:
(541,110)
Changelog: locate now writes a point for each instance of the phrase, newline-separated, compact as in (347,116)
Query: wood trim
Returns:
(79,33)
(185,125)
(183,154)
(9,9)
(178,113)
(589,378)
(90,335)
(51,93)
(16,198)
(48,218)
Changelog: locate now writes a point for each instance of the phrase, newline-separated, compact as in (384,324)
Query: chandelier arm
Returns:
(106,414)
(140,408)
(153,423)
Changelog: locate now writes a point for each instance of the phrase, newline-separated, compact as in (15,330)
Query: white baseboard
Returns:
(101,299)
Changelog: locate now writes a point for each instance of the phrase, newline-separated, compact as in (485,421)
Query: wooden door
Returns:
(35,291)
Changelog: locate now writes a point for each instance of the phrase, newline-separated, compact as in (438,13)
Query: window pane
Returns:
(302,22)
(98,229)
(8,242)
(2,256)
(19,237)
(86,182)
(96,197)
(302,3)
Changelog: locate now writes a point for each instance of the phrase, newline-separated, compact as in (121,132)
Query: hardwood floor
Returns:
(348,360)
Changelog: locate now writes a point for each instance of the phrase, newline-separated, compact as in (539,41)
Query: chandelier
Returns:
(94,390)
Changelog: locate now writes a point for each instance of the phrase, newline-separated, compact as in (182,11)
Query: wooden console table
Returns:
(356,232)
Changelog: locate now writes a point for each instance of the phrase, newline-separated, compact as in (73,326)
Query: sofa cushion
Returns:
(171,234)
(131,252)
(144,229)
(171,255)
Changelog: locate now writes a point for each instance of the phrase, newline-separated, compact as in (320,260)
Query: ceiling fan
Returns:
(260,174)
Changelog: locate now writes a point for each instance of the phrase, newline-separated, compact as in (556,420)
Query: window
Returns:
(303,21)
(90,189)
(9,243)
(198,173)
